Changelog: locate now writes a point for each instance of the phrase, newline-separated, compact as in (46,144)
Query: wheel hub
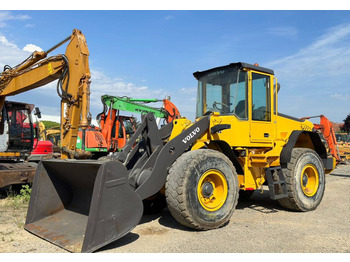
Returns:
(309,180)
(212,190)
(207,189)
(304,180)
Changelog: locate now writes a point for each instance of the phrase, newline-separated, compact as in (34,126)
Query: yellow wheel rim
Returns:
(309,180)
(212,190)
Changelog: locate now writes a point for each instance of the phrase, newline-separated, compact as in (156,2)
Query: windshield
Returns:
(20,129)
(223,91)
(129,127)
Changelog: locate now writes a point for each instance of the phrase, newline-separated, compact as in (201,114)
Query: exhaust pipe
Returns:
(82,206)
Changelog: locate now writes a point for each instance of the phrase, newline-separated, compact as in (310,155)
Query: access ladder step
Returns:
(276,183)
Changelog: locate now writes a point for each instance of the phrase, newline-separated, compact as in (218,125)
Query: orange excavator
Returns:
(325,128)
(117,129)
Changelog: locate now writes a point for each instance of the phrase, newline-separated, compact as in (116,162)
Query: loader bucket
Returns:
(82,205)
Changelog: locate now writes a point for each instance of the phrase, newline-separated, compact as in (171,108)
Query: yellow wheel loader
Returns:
(239,142)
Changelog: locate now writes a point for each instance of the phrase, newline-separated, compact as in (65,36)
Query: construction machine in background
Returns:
(73,86)
(343,140)
(326,131)
(239,141)
(17,135)
(51,135)
(117,129)
(42,147)
(20,145)
(343,137)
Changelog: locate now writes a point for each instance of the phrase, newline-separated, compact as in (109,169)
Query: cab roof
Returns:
(239,65)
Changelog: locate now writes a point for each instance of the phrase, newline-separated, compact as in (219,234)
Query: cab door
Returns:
(261,127)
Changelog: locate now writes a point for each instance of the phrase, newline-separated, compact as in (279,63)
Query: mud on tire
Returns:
(196,174)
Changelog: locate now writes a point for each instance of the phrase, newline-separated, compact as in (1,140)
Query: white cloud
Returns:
(102,84)
(316,73)
(330,54)
(8,16)
(10,54)
(343,97)
(5,42)
(31,48)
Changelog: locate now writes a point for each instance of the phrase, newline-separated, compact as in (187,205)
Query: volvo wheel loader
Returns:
(239,142)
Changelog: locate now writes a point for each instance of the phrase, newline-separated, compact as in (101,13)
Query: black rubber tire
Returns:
(296,199)
(181,189)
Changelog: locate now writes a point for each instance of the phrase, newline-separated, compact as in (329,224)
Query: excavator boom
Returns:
(73,74)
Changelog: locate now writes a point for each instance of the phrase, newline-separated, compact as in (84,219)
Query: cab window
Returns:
(261,97)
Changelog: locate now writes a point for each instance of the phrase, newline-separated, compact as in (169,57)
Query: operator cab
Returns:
(244,92)
(225,90)
(16,127)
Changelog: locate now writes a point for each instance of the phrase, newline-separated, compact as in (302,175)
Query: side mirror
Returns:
(278,87)
(37,112)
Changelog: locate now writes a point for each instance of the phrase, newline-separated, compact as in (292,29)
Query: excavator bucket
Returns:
(82,206)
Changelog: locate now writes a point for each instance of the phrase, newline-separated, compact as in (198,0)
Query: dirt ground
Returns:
(259,225)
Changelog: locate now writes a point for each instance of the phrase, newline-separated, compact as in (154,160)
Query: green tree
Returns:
(346,126)
(50,124)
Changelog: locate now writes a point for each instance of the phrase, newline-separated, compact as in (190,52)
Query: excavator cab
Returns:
(16,143)
(16,127)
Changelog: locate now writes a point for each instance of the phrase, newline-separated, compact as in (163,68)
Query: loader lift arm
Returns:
(73,74)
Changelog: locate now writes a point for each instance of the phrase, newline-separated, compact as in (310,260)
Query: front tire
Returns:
(305,180)
(202,189)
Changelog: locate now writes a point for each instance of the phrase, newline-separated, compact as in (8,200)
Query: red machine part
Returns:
(113,129)
(326,128)
(40,148)
(173,112)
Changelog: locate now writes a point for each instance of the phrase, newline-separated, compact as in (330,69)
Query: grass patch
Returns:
(18,199)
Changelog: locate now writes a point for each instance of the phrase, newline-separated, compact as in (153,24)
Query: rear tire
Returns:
(202,189)
(305,179)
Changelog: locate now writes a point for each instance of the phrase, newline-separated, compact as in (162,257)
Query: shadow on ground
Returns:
(260,202)
(125,240)
(339,175)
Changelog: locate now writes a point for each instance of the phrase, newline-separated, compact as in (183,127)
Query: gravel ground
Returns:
(259,225)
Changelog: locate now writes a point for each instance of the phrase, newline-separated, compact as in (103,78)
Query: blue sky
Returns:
(153,54)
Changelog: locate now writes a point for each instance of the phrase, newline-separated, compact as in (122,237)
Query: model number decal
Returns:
(191,135)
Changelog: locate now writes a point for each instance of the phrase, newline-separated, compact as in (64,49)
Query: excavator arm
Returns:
(326,128)
(110,120)
(135,105)
(73,74)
